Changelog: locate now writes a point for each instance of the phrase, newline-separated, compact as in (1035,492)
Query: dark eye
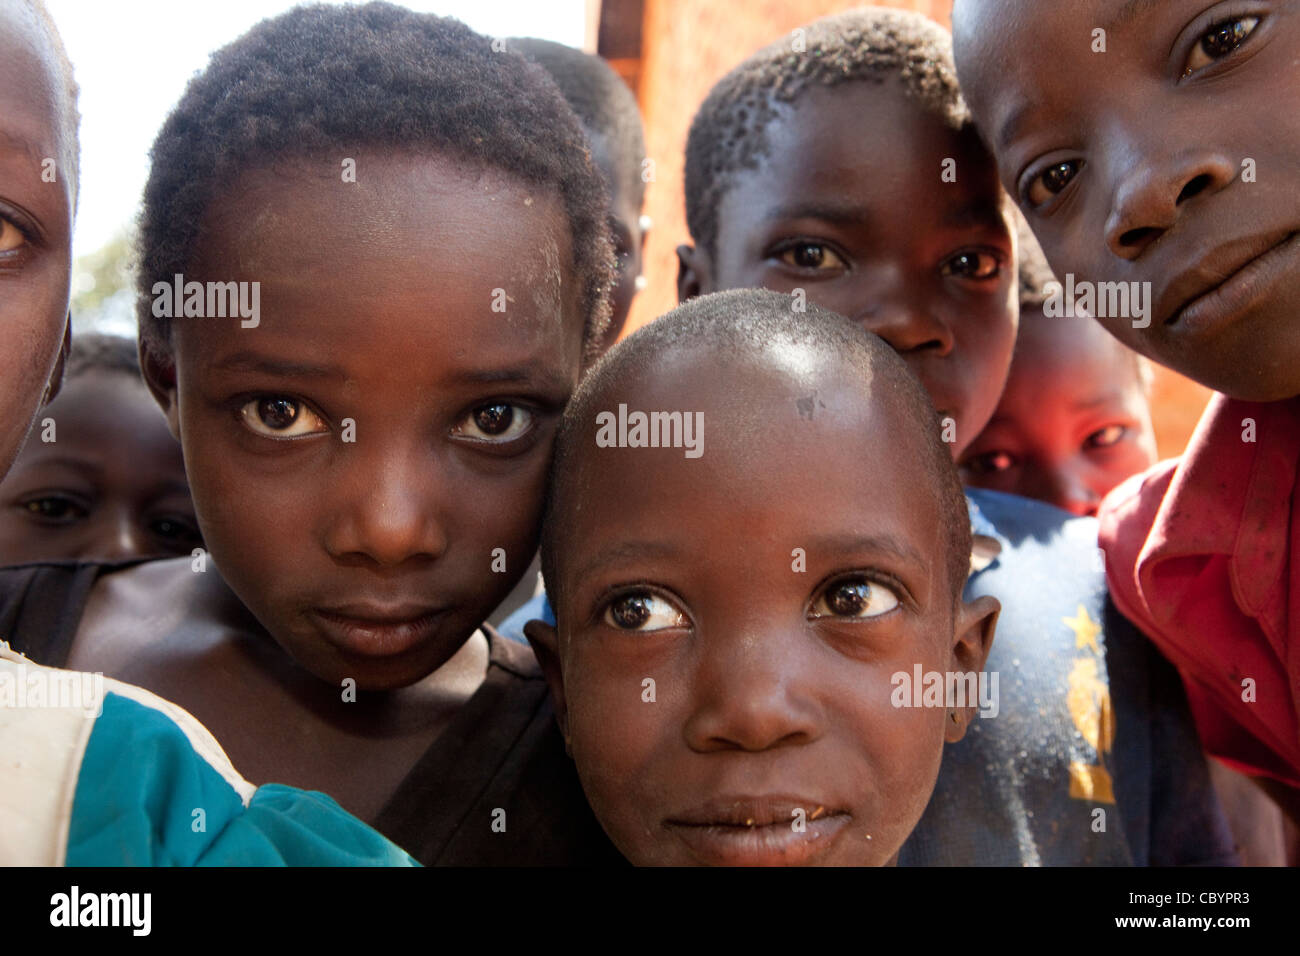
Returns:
(973,265)
(989,463)
(55,509)
(278,416)
(1052,181)
(1218,41)
(1105,437)
(811,255)
(175,530)
(643,611)
(855,598)
(498,422)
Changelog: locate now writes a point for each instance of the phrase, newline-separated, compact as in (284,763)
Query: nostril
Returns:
(1138,237)
(1197,185)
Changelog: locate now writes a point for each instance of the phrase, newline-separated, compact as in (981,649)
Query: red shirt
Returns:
(1199,556)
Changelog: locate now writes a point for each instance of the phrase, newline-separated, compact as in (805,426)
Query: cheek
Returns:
(32,319)
(622,741)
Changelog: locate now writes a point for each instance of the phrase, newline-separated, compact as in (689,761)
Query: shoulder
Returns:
(129,611)
(1034,534)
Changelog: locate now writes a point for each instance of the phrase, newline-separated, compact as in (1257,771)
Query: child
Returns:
(730,639)
(1073,423)
(612,123)
(130,787)
(1153,146)
(848,175)
(416,240)
(1073,420)
(104,479)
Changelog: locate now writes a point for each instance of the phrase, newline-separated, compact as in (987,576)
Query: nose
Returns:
(388,506)
(1153,193)
(1068,488)
(751,694)
(119,537)
(905,324)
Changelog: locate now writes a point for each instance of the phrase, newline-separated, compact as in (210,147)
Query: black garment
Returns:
(500,761)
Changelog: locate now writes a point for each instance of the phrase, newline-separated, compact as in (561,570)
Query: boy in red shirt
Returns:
(1132,137)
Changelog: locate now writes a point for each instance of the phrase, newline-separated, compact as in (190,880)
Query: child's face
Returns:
(363,458)
(111,486)
(719,686)
(850,207)
(35,222)
(1073,421)
(625,228)
(1168,159)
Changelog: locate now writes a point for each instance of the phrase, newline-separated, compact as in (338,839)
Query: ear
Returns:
(160,376)
(694,273)
(546,645)
(972,640)
(55,382)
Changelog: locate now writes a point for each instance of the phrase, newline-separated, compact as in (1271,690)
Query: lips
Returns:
(377,631)
(1226,281)
(759,831)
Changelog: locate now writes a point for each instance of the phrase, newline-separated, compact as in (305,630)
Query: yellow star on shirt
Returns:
(1085,629)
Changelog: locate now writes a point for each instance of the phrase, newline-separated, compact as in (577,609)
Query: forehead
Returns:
(1014,58)
(1077,346)
(868,143)
(32,96)
(422,235)
(797,425)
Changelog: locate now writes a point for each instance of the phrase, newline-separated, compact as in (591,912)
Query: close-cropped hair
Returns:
(602,101)
(332,79)
(755,327)
(872,44)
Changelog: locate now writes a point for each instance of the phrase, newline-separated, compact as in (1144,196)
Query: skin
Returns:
(111,487)
(864,225)
(1129,166)
(766,701)
(35,225)
(387,314)
(1073,421)
(625,228)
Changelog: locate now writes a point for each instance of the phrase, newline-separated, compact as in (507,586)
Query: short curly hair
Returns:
(602,101)
(99,352)
(729,132)
(755,327)
(323,77)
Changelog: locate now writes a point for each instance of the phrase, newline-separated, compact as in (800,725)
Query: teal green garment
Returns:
(145,797)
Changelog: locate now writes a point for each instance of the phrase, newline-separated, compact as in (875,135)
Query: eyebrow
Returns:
(23,145)
(1131,10)
(1098,401)
(625,552)
(844,214)
(282,368)
(1011,125)
(977,212)
(879,544)
(79,465)
(529,372)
